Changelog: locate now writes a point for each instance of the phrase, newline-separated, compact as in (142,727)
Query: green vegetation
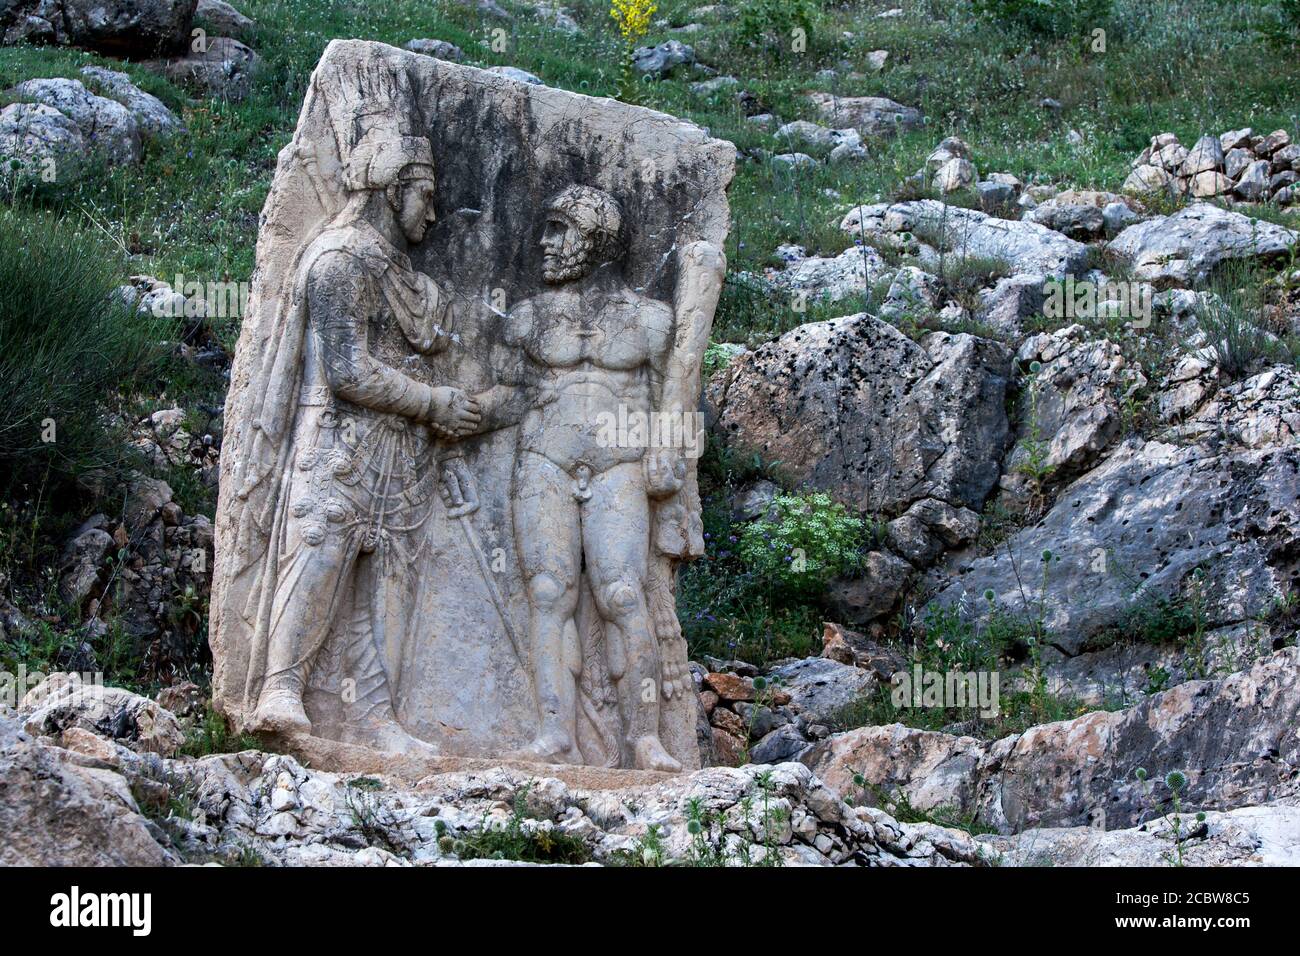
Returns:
(67,346)
(518,841)
(1232,316)
(756,593)
(212,735)
(806,541)
(1054,18)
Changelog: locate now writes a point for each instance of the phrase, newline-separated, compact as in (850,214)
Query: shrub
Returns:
(1231,319)
(1053,18)
(66,343)
(806,541)
(1281,30)
(771,23)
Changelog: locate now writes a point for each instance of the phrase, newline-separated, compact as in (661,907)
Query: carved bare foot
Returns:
(392,738)
(551,747)
(280,712)
(650,755)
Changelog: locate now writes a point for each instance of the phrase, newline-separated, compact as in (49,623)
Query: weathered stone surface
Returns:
(436,48)
(928,528)
(522,283)
(223,69)
(873,592)
(851,273)
(107,126)
(152,117)
(1011,301)
(56,811)
(1268,835)
(224,19)
(80,564)
(730,687)
(1259,412)
(1233,738)
(1147,179)
(1073,403)
(854,407)
(1131,532)
(1026,247)
(516,74)
(1184,248)
(63,701)
(1125,673)
(121,27)
(869,115)
(662,59)
(82,805)
(38,142)
(820,687)
(1077,220)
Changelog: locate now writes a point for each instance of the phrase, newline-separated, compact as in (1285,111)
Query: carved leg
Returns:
(311,585)
(549,543)
(370,719)
(615,533)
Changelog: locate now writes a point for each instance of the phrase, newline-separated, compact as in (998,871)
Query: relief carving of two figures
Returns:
(351,456)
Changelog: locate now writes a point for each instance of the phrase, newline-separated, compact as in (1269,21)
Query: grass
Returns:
(516,841)
(899,806)
(212,735)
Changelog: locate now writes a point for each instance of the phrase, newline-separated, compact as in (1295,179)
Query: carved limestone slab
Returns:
(459,471)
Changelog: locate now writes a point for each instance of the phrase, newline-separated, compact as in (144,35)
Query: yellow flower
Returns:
(633,17)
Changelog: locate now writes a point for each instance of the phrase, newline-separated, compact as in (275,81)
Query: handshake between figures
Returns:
(452,413)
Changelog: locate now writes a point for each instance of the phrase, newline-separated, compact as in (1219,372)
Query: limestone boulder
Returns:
(224,19)
(820,687)
(59,809)
(127,28)
(1072,404)
(832,279)
(1024,247)
(1128,538)
(854,407)
(107,127)
(1262,411)
(38,143)
(1232,738)
(662,59)
(1184,248)
(224,69)
(151,115)
(869,115)
(1249,836)
(439,49)
(64,701)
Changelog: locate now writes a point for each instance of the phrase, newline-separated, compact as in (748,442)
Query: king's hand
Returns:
(452,413)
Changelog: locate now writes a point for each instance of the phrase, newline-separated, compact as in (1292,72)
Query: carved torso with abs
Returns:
(589,353)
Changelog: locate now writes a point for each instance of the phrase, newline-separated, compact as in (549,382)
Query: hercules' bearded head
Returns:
(583,231)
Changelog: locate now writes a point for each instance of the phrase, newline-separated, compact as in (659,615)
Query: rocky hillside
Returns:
(1002,492)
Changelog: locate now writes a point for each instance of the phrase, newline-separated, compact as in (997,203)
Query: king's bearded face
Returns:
(566,251)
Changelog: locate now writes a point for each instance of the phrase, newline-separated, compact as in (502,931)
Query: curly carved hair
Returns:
(597,216)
